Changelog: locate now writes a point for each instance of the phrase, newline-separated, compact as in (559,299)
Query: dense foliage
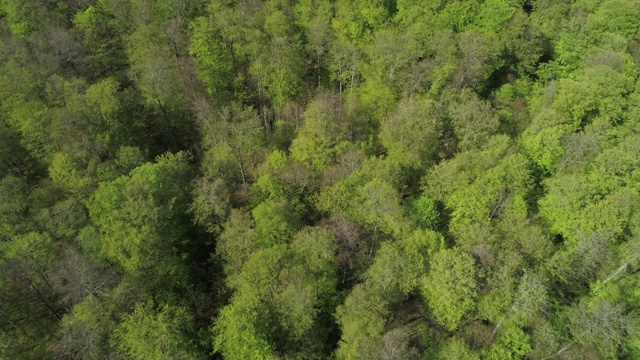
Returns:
(313,179)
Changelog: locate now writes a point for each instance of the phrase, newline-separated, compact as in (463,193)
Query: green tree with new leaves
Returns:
(450,287)
(142,220)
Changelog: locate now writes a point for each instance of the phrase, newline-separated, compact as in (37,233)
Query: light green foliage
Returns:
(390,51)
(31,119)
(324,130)
(369,179)
(377,100)
(396,271)
(268,186)
(425,212)
(480,57)
(154,69)
(493,14)
(128,158)
(309,283)
(478,189)
(316,248)
(601,197)
(63,219)
(103,36)
(237,333)
(65,173)
(87,129)
(546,146)
(344,62)
(411,134)
(279,288)
(236,336)
(275,222)
(457,15)
(317,25)
(501,278)
(85,331)
(523,233)
(512,343)
(391,272)
(236,243)
(34,251)
(296,303)
(244,328)
(399,266)
(488,196)
(141,219)
(214,60)
(362,320)
(162,333)
(231,136)
(278,68)
(355,20)
(381,208)
(456,349)
(595,92)
(474,121)
(374,203)
(450,287)
(595,29)
(530,298)
(22,16)
(445,178)
(211,203)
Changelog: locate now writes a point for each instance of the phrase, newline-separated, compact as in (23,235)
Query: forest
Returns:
(320,179)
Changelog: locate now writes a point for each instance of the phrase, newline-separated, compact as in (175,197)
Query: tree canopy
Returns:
(319,179)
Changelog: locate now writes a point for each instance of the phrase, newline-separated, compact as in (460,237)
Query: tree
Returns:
(389,52)
(324,130)
(381,210)
(362,319)
(23,17)
(148,333)
(355,21)
(530,297)
(450,287)
(231,138)
(211,203)
(604,324)
(75,277)
(214,58)
(480,57)
(141,218)
(474,121)
(317,23)
(251,338)
(275,222)
(344,62)
(411,134)
(14,205)
(281,66)
(236,243)
(512,343)
(425,212)
(104,38)
(456,349)
(29,309)
(85,332)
